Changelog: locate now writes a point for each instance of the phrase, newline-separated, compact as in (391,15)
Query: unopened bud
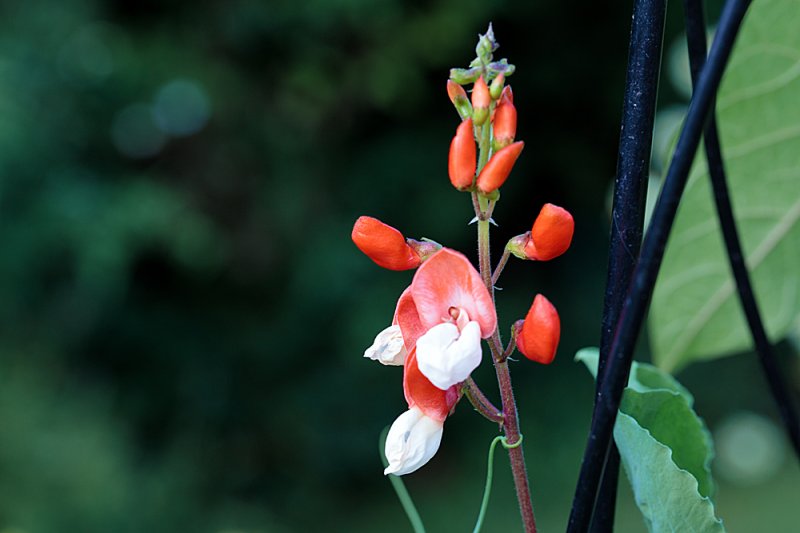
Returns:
(459,98)
(496,171)
(551,234)
(462,160)
(481,99)
(505,125)
(538,335)
(384,244)
(496,88)
(463,76)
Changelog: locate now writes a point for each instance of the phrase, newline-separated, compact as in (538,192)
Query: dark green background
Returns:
(181,334)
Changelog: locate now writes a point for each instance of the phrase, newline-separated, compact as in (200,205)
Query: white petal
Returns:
(447,358)
(388,348)
(411,442)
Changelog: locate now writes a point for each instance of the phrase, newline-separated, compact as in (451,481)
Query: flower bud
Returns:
(462,161)
(480,102)
(496,171)
(505,125)
(538,335)
(551,234)
(384,244)
(465,75)
(496,88)
(459,98)
(411,442)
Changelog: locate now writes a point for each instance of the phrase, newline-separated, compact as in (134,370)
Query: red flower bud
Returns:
(551,234)
(480,102)
(459,98)
(507,95)
(505,124)
(498,168)
(384,245)
(463,157)
(538,335)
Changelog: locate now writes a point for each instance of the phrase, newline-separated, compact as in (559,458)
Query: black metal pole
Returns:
(696,40)
(618,365)
(627,214)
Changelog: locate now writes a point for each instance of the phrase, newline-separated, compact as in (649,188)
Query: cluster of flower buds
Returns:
(442,316)
(492,110)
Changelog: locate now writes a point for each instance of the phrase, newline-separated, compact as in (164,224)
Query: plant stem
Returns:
(696,40)
(500,266)
(481,403)
(634,310)
(509,406)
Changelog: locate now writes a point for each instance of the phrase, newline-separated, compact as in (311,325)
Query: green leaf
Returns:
(695,312)
(672,422)
(643,377)
(665,448)
(666,494)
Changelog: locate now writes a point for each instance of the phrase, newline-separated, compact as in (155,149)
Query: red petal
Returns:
(420,392)
(448,280)
(407,317)
(540,332)
(384,244)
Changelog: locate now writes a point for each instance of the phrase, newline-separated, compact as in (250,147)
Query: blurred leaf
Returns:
(695,312)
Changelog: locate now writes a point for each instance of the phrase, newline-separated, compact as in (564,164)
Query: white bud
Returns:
(411,442)
(388,347)
(446,356)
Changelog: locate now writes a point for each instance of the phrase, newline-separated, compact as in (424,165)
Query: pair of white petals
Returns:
(445,355)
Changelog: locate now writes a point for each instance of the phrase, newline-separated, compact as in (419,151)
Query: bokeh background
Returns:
(182,313)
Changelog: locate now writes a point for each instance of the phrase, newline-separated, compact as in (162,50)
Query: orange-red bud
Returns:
(551,234)
(459,98)
(538,335)
(507,95)
(462,161)
(496,171)
(480,102)
(505,124)
(384,244)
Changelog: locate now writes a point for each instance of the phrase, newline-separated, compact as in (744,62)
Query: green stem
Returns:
(487,490)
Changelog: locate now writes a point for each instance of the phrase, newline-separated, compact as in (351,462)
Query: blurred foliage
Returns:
(182,313)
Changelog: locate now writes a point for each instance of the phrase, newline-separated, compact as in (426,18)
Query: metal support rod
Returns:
(696,40)
(630,195)
(634,309)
